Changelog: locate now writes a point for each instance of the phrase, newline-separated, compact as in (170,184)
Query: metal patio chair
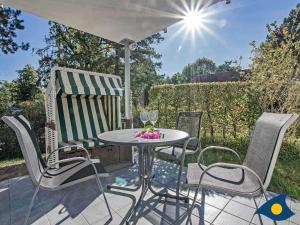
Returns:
(189,122)
(43,174)
(252,177)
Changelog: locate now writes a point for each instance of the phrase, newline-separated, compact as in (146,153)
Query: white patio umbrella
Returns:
(121,21)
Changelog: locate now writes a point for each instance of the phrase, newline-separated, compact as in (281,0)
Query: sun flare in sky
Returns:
(193,20)
(197,20)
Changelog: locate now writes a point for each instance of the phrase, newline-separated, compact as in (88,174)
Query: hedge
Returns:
(230,108)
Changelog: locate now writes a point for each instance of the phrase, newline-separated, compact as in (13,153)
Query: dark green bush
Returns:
(230,108)
(34,111)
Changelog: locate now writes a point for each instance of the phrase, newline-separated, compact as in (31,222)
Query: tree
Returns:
(204,66)
(6,98)
(275,65)
(10,23)
(26,84)
(177,78)
(69,47)
(200,67)
(34,111)
(231,65)
(143,77)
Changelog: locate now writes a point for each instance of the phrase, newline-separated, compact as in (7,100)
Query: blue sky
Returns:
(235,26)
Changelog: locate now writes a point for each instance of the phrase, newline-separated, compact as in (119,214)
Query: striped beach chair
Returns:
(80,105)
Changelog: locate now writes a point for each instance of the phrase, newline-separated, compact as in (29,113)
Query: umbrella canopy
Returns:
(115,20)
(121,21)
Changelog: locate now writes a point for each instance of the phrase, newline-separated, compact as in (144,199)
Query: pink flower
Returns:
(138,134)
(156,135)
(148,135)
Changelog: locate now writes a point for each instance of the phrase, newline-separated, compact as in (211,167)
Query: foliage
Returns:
(199,67)
(34,111)
(228,107)
(72,48)
(10,24)
(202,66)
(230,113)
(6,97)
(143,77)
(177,78)
(148,128)
(26,84)
(231,65)
(21,97)
(275,66)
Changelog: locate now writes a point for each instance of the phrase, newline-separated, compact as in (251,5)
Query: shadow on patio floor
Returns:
(83,204)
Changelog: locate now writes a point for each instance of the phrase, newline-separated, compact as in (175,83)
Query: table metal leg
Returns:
(166,195)
(139,183)
(143,177)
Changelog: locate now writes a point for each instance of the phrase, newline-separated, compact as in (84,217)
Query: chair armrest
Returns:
(67,160)
(51,165)
(200,157)
(185,146)
(162,147)
(69,146)
(188,141)
(232,166)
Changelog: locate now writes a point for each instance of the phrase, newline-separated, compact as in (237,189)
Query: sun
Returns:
(196,21)
(193,20)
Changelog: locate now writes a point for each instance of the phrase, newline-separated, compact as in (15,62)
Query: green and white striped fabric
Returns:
(88,83)
(82,112)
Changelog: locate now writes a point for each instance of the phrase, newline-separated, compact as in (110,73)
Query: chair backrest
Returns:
(29,145)
(266,142)
(190,122)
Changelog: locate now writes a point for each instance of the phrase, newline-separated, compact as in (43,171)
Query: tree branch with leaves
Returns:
(10,23)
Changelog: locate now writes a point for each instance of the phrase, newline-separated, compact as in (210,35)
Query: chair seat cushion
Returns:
(168,151)
(72,173)
(225,180)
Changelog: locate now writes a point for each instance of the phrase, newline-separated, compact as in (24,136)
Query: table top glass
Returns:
(127,137)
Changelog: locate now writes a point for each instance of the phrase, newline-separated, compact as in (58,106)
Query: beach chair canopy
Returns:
(70,82)
(81,104)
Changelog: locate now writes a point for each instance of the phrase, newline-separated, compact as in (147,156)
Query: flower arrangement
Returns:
(148,132)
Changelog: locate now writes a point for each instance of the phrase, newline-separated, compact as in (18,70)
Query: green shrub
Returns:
(230,108)
(34,111)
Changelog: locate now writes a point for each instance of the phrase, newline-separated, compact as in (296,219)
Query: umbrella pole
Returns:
(127,80)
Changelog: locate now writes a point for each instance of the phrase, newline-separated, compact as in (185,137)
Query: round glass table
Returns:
(145,157)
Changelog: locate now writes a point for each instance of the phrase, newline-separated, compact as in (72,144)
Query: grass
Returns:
(286,178)
(10,162)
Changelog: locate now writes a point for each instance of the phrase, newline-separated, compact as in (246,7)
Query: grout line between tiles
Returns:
(85,219)
(260,200)
(9,198)
(222,210)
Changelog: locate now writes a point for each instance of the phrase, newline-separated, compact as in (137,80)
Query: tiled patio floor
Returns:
(82,204)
